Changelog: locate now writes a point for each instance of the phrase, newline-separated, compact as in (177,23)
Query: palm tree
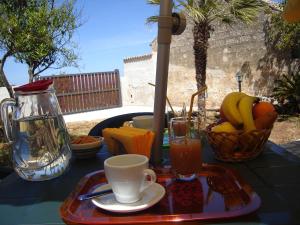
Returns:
(203,13)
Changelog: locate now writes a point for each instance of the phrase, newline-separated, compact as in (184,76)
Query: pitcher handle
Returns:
(5,103)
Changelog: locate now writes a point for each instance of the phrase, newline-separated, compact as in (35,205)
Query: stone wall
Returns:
(239,47)
(181,81)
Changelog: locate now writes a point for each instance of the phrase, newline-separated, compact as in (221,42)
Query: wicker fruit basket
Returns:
(237,147)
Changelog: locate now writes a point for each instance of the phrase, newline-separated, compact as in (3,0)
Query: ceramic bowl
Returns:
(87,150)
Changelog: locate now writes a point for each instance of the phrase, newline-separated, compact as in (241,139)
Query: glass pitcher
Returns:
(37,131)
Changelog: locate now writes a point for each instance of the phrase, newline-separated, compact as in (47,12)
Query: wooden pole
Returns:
(165,23)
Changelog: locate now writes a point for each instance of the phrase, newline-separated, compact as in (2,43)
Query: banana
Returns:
(230,108)
(226,127)
(230,140)
(245,107)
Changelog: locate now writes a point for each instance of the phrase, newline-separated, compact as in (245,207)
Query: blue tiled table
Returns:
(274,175)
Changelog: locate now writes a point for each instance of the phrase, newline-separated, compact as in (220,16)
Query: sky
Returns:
(111,31)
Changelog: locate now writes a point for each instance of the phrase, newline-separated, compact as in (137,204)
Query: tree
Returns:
(283,36)
(38,33)
(283,45)
(203,14)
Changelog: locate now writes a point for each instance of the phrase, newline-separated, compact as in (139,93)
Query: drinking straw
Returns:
(168,101)
(183,111)
(192,101)
(183,114)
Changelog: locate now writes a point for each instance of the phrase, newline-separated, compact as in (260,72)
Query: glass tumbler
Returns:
(185,148)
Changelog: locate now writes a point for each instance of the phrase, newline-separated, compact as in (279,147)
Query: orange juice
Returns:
(179,128)
(185,155)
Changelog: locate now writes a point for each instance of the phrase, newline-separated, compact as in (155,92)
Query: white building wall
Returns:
(3,93)
(137,74)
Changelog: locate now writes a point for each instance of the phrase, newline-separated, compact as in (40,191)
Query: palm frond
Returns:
(287,86)
(227,11)
(152,19)
(246,10)
(157,2)
(289,81)
(153,2)
(227,19)
(193,9)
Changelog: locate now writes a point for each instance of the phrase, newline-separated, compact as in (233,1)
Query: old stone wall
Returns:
(181,82)
(231,49)
(234,48)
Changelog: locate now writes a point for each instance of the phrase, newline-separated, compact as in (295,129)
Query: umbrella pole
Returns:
(162,66)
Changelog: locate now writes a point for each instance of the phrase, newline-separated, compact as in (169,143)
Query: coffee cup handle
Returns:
(151,173)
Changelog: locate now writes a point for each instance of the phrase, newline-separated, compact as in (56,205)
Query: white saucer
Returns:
(150,196)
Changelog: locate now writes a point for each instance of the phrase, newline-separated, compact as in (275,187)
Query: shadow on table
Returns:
(16,191)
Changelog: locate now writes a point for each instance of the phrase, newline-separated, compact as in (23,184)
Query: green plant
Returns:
(283,36)
(287,88)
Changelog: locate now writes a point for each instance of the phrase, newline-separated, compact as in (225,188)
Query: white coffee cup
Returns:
(127,176)
(144,122)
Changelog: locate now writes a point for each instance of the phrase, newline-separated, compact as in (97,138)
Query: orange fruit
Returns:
(266,121)
(262,108)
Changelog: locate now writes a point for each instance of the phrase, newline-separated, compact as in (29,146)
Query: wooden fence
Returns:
(88,91)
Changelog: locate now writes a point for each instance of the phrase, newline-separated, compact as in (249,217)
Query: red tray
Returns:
(218,193)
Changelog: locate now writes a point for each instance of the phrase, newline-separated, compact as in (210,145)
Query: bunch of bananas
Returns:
(236,113)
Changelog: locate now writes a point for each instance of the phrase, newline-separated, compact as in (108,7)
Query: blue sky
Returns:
(112,30)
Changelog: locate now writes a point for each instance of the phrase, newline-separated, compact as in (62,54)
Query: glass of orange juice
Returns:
(185,148)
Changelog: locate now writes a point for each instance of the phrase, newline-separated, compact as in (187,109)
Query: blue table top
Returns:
(274,175)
